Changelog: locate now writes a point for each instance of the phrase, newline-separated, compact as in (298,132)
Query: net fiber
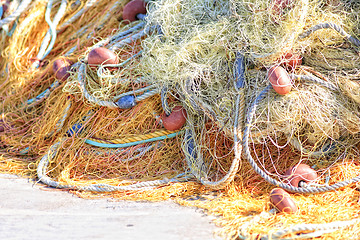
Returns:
(212,57)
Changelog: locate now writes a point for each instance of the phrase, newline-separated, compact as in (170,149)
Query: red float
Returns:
(278,7)
(132,9)
(279,80)
(283,3)
(301,172)
(176,119)
(2,125)
(282,201)
(61,68)
(291,61)
(101,56)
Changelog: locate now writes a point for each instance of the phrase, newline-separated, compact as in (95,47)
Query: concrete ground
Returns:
(29,212)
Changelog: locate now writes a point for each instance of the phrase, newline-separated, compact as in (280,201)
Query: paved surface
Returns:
(28,212)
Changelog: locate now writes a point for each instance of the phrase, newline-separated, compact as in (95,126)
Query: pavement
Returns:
(30,211)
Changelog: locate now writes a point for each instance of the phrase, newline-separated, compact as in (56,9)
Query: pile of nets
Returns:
(218,104)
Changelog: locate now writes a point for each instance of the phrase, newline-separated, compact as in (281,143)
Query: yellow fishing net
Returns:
(212,57)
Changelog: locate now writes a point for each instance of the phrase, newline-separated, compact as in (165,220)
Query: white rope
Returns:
(22,7)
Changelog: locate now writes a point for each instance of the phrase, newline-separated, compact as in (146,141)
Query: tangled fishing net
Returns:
(264,88)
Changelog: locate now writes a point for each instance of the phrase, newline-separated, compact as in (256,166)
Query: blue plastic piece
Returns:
(126,102)
(75,129)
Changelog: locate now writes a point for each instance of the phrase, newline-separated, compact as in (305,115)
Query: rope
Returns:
(110,13)
(132,141)
(239,82)
(319,229)
(12,30)
(42,175)
(61,121)
(21,8)
(133,92)
(249,116)
(326,149)
(315,80)
(146,95)
(263,216)
(119,36)
(128,40)
(124,102)
(39,98)
(101,69)
(87,6)
(90,98)
(337,28)
(59,125)
(193,158)
(43,52)
(164,102)
(159,133)
(141,150)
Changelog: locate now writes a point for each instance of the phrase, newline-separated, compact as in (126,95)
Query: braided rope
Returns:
(147,95)
(249,116)
(46,47)
(110,13)
(237,147)
(90,98)
(337,28)
(193,157)
(134,92)
(87,6)
(140,150)
(121,35)
(128,40)
(39,98)
(239,82)
(263,216)
(137,137)
(132,141)
(319,229)
(101,69)
(61,121)
(44,162)
(315,80)
(21,8)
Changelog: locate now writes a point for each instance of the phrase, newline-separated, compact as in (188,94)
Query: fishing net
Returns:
(100,132)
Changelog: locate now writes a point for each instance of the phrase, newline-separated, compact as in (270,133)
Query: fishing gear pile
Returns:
(248,109)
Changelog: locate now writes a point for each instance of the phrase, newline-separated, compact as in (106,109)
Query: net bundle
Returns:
(103,129)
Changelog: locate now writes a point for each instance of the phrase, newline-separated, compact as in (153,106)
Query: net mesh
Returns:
(189,52)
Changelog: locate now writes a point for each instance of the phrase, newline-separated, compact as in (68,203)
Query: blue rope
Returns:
(124,145)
